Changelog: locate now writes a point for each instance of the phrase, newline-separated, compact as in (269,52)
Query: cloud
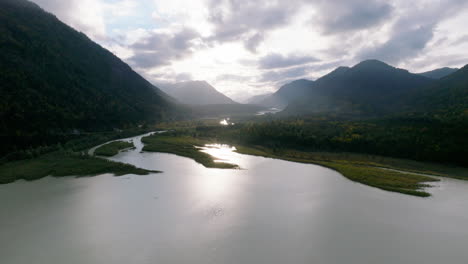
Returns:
(412,31)
(84,15)
(167,76)
(233,77)
(160,48)
(402,45)
(182,77)
(461,40)
(281,75)
(253,42)
(350,15)
(275,60)
(236,20)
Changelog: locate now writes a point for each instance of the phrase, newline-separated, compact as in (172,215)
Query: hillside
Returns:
(447,98)
(370,88)
(287,93)
(438,73)
(55,80)
(195,93)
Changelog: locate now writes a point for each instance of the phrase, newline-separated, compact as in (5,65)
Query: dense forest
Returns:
(415,138)
(446,99)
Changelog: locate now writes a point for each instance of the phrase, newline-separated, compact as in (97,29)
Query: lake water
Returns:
(270,211)
(269,111)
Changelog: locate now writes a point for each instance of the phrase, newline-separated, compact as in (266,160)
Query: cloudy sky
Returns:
(246,47)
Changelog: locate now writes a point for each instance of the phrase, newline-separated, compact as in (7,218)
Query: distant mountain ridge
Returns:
(370,87)
(287,93)
(439,73)
(195,93)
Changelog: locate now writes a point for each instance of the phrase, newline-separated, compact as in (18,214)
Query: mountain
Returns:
(196,93)
(56,80)
(438,73)
(287,93)
(447,98)
(371,87)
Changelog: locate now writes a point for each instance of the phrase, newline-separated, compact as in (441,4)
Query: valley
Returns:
(233,132)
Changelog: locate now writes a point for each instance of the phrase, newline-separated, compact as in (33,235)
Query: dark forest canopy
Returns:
(414,138)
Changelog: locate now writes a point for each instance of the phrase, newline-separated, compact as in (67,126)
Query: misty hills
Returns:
(439,73)
(373,88)
(195,93)
(287,93)
(55,79)
(201,100)
(370,87)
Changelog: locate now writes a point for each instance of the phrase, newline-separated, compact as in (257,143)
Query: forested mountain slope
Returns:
(287,93)
(447,98)
(54,79)
(439,73)
(369,88)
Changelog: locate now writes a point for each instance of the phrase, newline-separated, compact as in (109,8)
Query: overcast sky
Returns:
(247,47)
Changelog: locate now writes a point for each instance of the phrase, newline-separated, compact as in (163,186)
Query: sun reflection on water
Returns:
(222,153)
(217,184)
(215,187)
(226,122)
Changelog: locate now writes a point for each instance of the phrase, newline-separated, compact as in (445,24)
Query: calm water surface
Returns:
(270,211)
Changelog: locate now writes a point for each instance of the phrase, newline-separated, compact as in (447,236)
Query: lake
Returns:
(270,211)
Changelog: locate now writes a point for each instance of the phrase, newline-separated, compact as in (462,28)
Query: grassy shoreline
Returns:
(367,173)
(60,164)
(410,166)
(70,159)
(185,146)
(396,175)
(113,148)
(390,174)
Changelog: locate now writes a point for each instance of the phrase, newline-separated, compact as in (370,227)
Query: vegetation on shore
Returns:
(414,138)
(283,142)
(75,143)
(387,163)
(63,163)
(367,172)
(364,171)
(67,159)
(185,146)
(113,148)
